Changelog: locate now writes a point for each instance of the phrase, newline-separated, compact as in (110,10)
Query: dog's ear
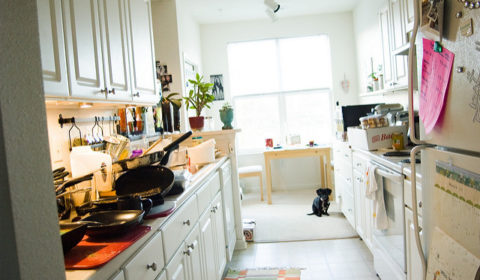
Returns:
(328,191)
(319,192)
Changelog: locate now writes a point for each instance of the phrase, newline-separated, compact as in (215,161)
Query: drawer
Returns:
(148,262)
(207,191)
(348,208)
(178,226)
(359,163)
(407,195)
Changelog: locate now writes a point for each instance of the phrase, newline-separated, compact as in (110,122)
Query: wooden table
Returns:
(296,152)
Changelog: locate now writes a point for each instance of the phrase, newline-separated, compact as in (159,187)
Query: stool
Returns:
(252,171)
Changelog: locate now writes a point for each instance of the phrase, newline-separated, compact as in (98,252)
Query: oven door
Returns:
(392,240)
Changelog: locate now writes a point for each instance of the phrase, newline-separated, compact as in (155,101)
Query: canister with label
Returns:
(397,141)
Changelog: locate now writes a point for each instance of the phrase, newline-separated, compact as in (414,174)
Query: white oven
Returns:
(389,244)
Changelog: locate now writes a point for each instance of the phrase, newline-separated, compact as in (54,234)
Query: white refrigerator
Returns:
(450,152)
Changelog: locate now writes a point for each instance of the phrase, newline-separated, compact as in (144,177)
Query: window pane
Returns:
(308,114)
(304,63)
(253,67)
(258,118)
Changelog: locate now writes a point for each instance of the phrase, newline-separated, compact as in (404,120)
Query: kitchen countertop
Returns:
(116,264)
(393,163)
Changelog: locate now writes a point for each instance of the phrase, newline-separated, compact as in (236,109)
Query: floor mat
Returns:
(264,274)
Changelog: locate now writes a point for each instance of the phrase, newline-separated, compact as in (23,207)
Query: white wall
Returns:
(177,36)
(339,28)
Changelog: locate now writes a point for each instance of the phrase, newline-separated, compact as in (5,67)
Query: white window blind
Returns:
(281,87)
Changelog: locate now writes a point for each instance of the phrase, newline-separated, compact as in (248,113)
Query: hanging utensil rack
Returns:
(74,121)
(62,120)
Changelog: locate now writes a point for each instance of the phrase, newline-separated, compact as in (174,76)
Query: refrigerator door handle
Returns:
(411,116)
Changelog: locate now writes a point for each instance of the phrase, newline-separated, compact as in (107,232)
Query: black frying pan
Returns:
(109,223)
(147,181)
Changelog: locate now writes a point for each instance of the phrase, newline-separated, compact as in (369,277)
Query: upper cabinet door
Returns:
(143,57)
(116,59)
(84,49)
(398,28)
(409,17)
(387,59)
(52,47)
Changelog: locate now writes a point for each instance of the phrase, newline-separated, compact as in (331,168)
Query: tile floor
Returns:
(321,260)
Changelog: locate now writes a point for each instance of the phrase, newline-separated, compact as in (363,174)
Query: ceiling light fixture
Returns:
(272,5)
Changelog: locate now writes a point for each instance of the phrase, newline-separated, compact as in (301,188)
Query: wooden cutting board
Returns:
(95,252)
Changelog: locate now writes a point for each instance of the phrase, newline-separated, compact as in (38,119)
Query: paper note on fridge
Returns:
(436,72)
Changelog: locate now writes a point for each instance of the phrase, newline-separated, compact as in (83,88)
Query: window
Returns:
(281,87)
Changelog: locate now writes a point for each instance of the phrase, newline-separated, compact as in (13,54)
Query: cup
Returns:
(269,142)
(311,143)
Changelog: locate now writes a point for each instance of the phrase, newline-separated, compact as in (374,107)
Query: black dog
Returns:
(320,203)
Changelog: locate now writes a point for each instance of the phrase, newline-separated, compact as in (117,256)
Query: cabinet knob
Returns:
(191,246)
(213,210)
(104,90)
(187,222)
(188,252)
(136,94)
(420,204)
(153,266)
(112,91)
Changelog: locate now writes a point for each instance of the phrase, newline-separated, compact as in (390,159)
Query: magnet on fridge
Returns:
(437,47)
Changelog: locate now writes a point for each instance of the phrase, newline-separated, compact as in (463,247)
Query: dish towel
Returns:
(374,191)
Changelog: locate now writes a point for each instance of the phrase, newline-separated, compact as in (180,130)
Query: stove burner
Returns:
(396,154)
(407,160)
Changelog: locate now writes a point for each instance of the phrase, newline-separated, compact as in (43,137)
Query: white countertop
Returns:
(114,266)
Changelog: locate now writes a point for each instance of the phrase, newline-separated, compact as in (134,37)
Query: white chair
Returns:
(252,171)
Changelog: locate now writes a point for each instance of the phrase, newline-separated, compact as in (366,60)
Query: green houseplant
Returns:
(198,98)
(226,115)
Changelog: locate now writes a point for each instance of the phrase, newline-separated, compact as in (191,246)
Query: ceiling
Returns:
(216,11)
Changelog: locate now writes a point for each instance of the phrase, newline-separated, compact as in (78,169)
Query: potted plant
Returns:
(198,98)
(226,115)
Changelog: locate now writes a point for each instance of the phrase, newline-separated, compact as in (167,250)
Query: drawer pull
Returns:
(420,204)
(213,210)
(191,246)
(187,222)
(153,266)
(188,252)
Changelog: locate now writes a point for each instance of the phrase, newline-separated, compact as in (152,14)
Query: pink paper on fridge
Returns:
(436,72)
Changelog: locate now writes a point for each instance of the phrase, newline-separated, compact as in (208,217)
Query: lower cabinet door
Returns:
(177,267)
(207,250)
(414,265)
(194,259)
(220,252)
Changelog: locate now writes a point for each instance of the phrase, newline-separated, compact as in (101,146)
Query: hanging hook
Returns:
(70,135)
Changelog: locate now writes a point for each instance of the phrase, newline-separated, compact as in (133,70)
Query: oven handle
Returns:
(390,175)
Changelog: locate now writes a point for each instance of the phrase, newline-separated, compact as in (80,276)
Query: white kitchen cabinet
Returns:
(118,276)
(84,49)
(194,257)
(414,265)
(384,17)
(219,235)
(52,48)
(342,156)
(408,18)
(143,71)
(148,262)
(396,24)
(162,276)
(177,267)
(98,50)
(178,226)
(207,240)
(116,59)
(228,210)
(363,205)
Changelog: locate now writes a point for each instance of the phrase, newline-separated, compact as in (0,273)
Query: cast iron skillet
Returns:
(110,223)
(71,235)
